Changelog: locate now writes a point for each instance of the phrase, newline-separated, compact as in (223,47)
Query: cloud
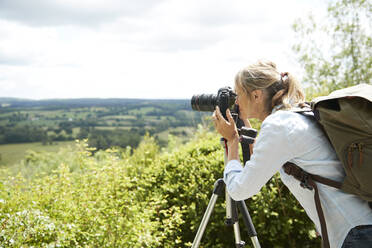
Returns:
(13,60)
(70,12)
(142,48)
(176,26)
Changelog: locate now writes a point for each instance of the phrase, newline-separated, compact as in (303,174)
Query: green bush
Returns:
(140,198)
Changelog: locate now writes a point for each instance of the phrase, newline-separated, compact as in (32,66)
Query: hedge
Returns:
(145,197)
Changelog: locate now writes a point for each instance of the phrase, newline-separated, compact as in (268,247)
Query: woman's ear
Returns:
(257,95)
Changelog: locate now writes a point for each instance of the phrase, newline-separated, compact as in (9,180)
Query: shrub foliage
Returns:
(137,198)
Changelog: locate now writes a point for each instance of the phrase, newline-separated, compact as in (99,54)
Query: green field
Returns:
(13,153)
(31,124)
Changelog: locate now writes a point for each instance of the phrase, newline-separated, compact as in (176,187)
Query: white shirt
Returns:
(287,136)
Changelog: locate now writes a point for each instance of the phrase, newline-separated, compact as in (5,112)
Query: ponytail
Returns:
(287,94)
(282,89)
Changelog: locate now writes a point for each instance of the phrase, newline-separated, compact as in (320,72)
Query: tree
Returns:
(336,53)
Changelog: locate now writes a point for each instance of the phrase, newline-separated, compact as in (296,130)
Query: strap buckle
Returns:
(304,182)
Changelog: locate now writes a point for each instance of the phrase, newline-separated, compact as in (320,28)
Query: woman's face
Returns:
(251,105)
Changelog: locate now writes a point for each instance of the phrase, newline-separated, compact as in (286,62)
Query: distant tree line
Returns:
(105,123)
(21,134)
(26,133)
(103,139)
(57,104)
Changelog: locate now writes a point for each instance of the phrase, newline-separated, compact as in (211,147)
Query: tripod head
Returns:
(246,135)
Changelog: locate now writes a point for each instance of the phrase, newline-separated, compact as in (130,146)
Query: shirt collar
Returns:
(276,108)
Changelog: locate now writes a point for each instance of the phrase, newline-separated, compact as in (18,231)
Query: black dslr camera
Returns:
(225,99)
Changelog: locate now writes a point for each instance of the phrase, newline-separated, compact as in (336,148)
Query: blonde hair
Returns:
(280,88)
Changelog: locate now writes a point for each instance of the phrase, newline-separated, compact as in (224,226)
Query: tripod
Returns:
(231,205)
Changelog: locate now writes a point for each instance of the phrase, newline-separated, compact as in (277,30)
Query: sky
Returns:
(159,49)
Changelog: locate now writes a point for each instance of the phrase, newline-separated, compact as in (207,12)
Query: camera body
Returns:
(225,99)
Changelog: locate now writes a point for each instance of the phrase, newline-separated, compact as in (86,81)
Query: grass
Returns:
(188,130)
(11,154)
(143,110)
(75,131)
(119,117)
(113,128)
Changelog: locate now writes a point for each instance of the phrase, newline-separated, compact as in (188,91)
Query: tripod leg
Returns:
(239,243)
(218,187)
(231,214)
(248,223)
(232,220)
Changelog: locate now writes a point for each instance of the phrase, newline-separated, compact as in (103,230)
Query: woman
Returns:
(265,94)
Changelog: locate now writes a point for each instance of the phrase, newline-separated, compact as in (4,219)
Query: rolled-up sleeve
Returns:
(272,149)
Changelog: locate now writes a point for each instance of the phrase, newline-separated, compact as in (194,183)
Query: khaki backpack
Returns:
(346,118)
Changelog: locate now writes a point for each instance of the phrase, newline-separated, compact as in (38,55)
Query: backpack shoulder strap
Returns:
(307,180)
(298,173)
(306,110)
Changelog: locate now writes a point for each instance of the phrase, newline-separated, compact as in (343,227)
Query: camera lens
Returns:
(204,102)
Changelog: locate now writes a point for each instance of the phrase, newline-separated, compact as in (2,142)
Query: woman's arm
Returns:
(272,149)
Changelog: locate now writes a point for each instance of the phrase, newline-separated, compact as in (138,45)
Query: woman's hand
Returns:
(229,131)
(226,128)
